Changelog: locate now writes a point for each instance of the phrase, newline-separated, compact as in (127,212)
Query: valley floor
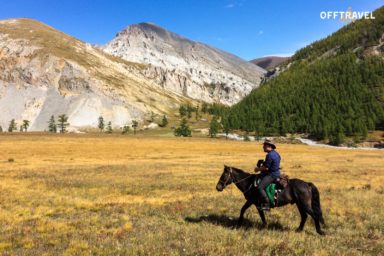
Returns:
(114,195)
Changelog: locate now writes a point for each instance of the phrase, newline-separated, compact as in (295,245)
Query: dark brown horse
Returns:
(304,194)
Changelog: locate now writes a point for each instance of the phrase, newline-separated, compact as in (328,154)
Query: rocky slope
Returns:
(186,67)
(44,72)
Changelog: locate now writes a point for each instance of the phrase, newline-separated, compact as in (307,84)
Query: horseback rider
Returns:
(270,170)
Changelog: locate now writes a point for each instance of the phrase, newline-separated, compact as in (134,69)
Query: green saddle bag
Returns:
(270,190)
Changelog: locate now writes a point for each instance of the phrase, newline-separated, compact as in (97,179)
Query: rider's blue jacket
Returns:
(272,162)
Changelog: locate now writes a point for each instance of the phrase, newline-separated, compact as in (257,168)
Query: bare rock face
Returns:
(188,68)
(44,72)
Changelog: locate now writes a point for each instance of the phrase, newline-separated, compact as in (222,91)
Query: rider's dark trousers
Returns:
(265,181)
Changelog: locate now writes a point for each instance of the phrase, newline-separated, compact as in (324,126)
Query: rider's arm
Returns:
(261,169)
(266,165)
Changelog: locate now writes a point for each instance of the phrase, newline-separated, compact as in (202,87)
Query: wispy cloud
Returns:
(235,3)
(260,32)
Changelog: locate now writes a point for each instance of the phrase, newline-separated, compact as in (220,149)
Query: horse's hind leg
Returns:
(242,211)
(308,209)
(262,216)
(304,216)
(317,223)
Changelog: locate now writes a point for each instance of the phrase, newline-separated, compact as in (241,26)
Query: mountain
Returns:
(330,89)
(45,72)
(269,62)
(181,65)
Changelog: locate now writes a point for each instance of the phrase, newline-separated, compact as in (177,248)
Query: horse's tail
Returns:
(316,203)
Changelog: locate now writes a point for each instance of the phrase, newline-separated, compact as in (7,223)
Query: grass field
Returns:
(115,195)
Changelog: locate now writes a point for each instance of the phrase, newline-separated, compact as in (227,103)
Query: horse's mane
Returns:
(241,171)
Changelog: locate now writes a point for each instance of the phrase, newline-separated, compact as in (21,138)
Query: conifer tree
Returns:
(101,124)
(214,127)
(12,126)
(135,125)
(183,130)
(109,127)
(62,123)
(52,125)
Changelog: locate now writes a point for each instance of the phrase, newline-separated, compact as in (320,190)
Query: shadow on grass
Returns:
(229,222)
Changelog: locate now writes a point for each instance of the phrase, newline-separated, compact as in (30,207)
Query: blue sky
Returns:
(246,28)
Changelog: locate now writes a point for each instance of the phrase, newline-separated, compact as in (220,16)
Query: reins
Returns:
(236,182)
(230,176)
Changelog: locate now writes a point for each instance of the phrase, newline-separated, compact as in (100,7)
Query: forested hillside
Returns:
(332,88)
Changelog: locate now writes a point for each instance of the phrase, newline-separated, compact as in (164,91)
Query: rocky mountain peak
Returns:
(184,66)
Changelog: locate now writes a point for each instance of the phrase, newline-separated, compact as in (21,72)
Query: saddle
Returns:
(275,188)
(282,181)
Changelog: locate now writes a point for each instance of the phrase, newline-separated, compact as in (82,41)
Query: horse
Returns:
(304,194)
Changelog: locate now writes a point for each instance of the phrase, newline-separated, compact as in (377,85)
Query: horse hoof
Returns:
(321,233)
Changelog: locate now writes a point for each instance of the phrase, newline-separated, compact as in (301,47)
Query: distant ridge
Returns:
(269,62)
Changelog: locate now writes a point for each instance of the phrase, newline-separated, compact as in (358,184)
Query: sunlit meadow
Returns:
(136,195)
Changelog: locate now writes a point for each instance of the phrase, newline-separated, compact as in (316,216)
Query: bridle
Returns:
(230,176)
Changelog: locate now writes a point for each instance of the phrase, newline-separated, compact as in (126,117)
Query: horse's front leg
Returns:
(262,217)
(242,211)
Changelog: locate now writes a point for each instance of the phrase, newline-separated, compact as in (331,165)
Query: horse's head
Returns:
(225,178)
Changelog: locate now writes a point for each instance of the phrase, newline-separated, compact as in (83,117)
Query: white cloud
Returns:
(230,6)
(235,3)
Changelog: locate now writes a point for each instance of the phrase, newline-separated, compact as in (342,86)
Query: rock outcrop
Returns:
(183,66)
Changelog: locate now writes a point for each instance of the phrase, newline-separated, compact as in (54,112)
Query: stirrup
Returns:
(264,207)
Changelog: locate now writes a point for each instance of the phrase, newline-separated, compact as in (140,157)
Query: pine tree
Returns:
(25,125)
(226,126)
(101,124)
(183,130)
(164,121)
(197,113)
(125,129)
(12,126)
(52,124)
(62,123)
(109,127)
(135,124)
(204,107)
(337,139)
(183,111)
(214,127)
(190,109)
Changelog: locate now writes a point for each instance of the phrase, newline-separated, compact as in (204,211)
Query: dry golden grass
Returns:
(116,195)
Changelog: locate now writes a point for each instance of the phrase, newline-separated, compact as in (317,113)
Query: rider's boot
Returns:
(264,201)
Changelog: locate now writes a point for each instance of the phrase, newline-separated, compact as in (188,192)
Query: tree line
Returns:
(328,99)
(61,124)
